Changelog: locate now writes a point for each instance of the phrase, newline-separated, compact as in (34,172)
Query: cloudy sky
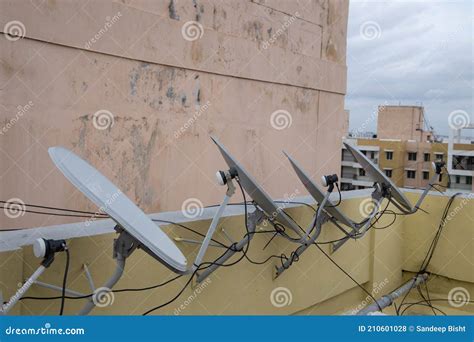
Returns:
(410,52)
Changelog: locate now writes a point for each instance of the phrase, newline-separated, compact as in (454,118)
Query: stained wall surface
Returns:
(137,87)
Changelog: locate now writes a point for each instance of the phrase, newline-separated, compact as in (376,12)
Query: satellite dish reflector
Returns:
(259,196)
(119,207)
(380,177)
(316,193)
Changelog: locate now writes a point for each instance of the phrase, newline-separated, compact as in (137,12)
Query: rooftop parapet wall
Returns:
(316,286)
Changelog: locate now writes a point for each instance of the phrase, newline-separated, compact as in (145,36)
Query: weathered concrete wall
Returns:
(167,94)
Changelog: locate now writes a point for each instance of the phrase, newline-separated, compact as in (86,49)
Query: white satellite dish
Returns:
(317,194)
(119,207)
(380,178)
(260,197)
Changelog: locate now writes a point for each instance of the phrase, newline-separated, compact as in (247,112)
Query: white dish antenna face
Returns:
(317,194)
(259,195)
(119,207)
(379,176)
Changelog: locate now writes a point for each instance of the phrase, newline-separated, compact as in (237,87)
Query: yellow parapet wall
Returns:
(313,285)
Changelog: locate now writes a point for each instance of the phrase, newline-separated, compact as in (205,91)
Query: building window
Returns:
(458,179)
(388,173)
(411,174)
(427,157)
(364,153)
(389,155)
(469,180)
(372,155)
(439,157)
(426,175)
(361,172)
(412,156)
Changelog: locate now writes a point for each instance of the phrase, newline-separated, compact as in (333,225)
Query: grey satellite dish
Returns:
(119,207)
(380,177)
(259,196)
(317,194)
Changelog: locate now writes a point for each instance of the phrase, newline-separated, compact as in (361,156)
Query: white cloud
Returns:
(423,54)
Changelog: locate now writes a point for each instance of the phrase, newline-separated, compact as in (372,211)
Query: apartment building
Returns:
(406,163)
(405,152)
(460,159)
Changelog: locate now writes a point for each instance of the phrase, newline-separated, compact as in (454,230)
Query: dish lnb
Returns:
(45,249)
(329,180)
(437,166)
(223,176)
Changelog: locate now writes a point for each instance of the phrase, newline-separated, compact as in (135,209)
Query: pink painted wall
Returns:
(166,94)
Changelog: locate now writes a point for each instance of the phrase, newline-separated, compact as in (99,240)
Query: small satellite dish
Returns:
(259,196)
(317,194)
(119,207)
(380,177)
